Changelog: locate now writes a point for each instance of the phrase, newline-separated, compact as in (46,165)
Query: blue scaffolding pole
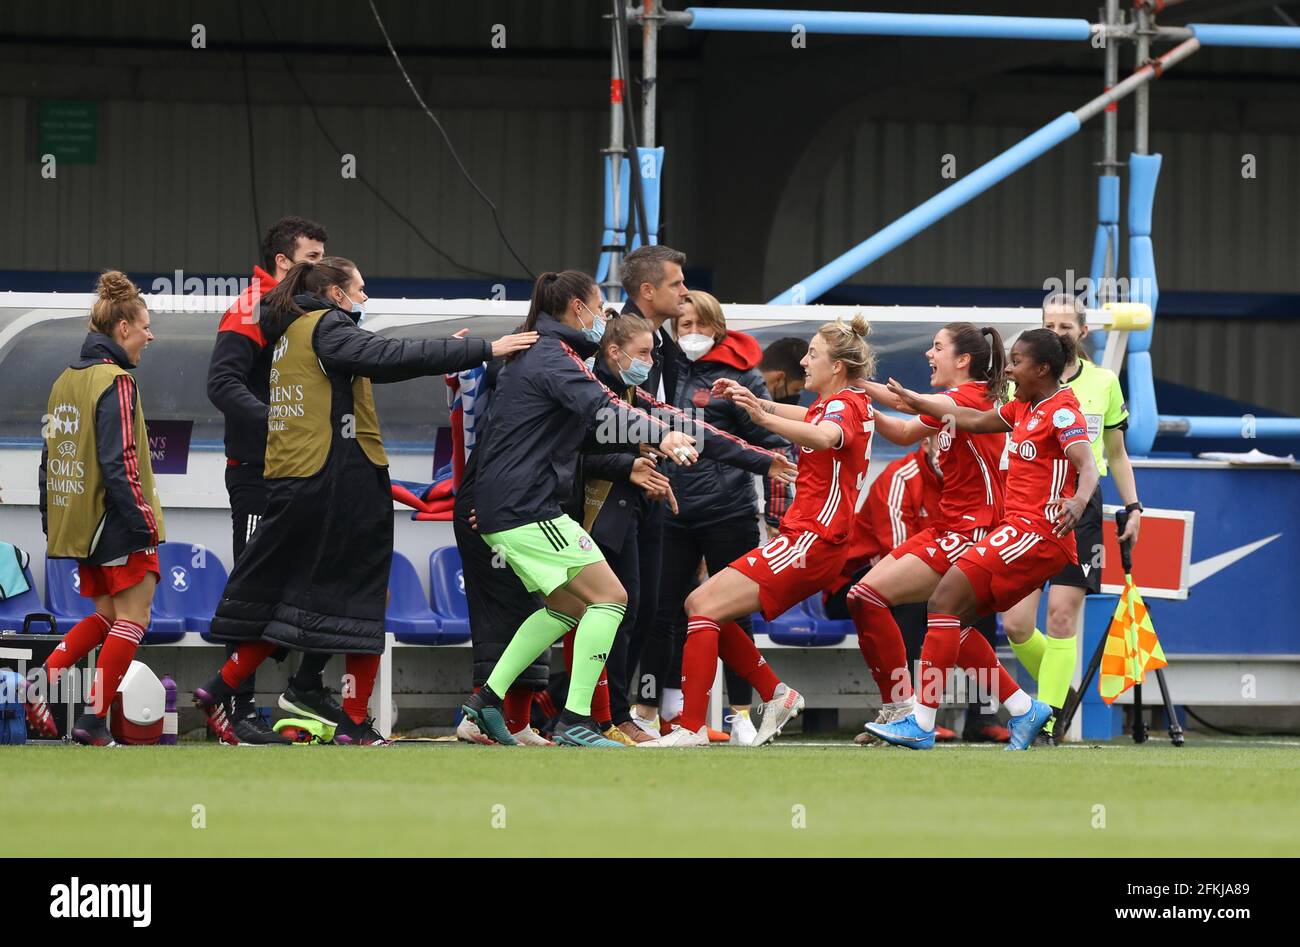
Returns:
(974,184)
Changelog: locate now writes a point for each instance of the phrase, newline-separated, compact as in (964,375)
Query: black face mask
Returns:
(787,397)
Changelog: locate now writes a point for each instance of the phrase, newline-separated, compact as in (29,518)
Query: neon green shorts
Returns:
(546,554)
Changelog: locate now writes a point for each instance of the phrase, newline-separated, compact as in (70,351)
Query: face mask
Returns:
(596,331)
(695,345)
(636,373)
(357,309)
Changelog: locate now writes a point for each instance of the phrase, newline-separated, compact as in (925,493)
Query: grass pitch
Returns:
(1212,797)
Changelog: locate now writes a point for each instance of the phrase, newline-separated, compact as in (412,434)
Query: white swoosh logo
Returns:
(1200,571)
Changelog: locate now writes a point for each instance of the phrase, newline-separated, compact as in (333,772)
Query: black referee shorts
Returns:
(1087,536)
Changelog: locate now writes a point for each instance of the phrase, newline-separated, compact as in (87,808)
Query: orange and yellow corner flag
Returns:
(1131,646)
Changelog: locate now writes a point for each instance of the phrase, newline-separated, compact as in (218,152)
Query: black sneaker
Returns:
(573,730)
(316,704)
(250,726)
(1045,736)
(359,734)
(90,730)
(488,718)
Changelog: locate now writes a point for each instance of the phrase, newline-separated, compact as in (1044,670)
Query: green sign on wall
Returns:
(69,130)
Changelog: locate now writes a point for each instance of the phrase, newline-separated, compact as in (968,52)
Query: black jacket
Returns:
(720,451)
(667,358)
(545,402)
(125,529)
(711,491)
(238,373)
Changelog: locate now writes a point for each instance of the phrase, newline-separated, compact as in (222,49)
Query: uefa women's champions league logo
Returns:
(281,347)
(66,419)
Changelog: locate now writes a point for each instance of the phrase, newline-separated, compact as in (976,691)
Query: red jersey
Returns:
(972,481)
(1039,475)
(902,501)
(826,491)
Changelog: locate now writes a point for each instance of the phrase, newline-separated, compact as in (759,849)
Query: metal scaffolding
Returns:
(1141,30)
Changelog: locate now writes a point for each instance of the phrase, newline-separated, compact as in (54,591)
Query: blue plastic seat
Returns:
(409,617)
(795,627)
(192,581)
(63,593)
(14,611)
(447,584)
(829,631)
(69,606)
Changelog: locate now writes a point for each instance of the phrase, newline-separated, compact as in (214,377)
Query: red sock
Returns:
(938,655)
(114,658)
(547,705)
(86,634)
(699,667)
(977,654)
(600,702)
(362,668)
(881,642)
(568,649)
(739,653)
(243,661)
(517,706)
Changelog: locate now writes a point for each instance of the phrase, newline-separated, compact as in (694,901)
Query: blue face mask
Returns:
(596,331)
(636,373)
(357,309)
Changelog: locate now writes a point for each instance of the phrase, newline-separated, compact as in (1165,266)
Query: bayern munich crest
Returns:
(584,544)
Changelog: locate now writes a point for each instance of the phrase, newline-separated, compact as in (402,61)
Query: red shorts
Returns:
(1012,561)
(109,580)
(939,548)
(793,567)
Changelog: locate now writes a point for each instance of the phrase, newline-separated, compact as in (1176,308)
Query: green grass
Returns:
(1208,798)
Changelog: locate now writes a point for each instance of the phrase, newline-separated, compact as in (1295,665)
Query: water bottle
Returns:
(168,737)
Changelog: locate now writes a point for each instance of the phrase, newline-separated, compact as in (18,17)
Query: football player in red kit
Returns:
(1044,500)
(808,554)
(968,363)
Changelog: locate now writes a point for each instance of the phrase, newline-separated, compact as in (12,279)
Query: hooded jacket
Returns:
(710,492)
(97,496)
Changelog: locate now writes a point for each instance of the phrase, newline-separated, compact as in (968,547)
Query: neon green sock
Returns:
(539,631)
(1030,653)
(590,650)
(1057,670)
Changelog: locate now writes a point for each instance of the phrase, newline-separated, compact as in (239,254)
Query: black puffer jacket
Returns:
(710,492)
(545,403)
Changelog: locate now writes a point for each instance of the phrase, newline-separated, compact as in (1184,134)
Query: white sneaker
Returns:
(742,730)
(887,714)
(467,731)
(785,705)
(680,737)
(530,737)
(649,726)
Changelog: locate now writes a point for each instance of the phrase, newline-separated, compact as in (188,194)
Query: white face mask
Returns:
(695,345)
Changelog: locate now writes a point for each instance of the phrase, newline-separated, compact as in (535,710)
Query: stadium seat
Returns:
(447,583)
(69,606)
(409,617)
(795,627)
(188,593)
(63,593)
(14,611)
(830,631)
